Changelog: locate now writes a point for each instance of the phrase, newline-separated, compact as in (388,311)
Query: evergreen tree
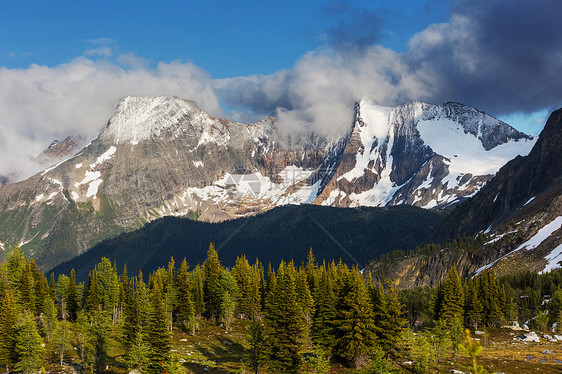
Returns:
(139,352)
(390,329)
(8,330)
(99,335)
(354,325)
(229,296)
(185,310)
(256,345)
(324,313)
(72,297)
(212,288)
(28,347)
(158,336)
(198,296)
(61,340)
(472,305)
(452,306)
(52,286)
(488,292)
(304,296)
(48,319)
(242,273)
(283,323)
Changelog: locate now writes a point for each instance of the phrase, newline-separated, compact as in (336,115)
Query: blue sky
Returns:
(226,38)
(64,65)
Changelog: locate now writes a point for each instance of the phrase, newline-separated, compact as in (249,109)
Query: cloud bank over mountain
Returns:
(500,56)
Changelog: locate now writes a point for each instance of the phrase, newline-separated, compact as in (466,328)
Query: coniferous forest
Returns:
(310,318)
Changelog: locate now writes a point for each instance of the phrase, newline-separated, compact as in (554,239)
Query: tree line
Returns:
(346,316)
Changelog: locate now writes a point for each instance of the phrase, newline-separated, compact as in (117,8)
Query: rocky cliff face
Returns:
(420,154)
(516,219)
(162,156)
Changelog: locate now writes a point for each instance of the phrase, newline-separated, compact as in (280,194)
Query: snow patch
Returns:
(78,166)
(554,258)
(198,164)
(465,151)
(532,243)
(104,157)
(93,188)
(528,201)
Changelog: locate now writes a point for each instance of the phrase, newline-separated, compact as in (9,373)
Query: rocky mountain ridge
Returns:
(164,156)
(513,224)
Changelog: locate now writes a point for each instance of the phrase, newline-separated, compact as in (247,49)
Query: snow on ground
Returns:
(78,166)
(533,243)
(528,201)
(2,246)
(198,164)
(465,151)
(104,157)
(554,258)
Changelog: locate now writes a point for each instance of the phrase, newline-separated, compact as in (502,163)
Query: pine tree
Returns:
(72,297)
(390,332)
(452,306)
(472,305)
(256,345)
(48,318)
(488,292)
(28,345)
(283,323)
(158,336)
(198,296)
(99,334)
(8,330)
(229,296)
(92,301)
(354,325)
(324,313)
(304,296)
(185,310)
(212,289)
(52,286)
(61,340)
(139,352)
(242,273)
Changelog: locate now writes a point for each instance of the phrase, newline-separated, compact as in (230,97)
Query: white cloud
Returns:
(40,103)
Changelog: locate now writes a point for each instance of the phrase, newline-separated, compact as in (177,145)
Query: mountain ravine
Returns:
(164,156)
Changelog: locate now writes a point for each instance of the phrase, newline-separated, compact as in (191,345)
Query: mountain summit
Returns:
(164,156)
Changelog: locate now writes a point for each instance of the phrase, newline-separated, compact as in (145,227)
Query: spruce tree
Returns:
(452,306)
(72,297)
(304,296)
(61,340)
(324,313)
(158,336)
(256,345)
(472,306)
(198,293)
(390,332)
(242,273)
(8,330)
(354,325)
(283,323)
(212,289)
(185,310)
(28,345)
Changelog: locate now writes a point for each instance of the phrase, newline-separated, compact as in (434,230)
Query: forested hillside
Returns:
(311,318)
(285,233)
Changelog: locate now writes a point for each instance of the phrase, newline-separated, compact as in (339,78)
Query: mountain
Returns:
(513,224)
(283,233)
(164,156)
(58,151)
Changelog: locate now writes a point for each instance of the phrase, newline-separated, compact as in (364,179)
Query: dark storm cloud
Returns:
(355,28)
(499,55)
